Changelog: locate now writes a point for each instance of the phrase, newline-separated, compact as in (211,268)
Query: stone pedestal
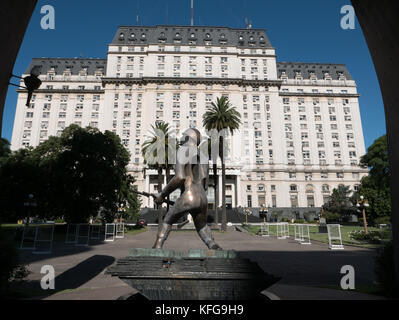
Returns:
(193,275)
(323,226)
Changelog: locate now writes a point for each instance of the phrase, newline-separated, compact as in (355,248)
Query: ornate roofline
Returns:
(196,80)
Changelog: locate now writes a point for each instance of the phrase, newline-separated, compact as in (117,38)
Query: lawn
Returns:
(136,231)
(322,237)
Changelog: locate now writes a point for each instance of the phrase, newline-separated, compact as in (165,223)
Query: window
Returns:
(352,154)
(176,97)
(310,200)
(293,188)
(325,188)
(249,201)
(294,201)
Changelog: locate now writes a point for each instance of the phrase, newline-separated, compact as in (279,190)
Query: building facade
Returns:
(301,133)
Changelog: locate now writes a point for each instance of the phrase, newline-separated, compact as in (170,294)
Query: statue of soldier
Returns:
(191,177)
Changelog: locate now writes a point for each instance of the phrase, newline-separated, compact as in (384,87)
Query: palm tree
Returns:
(158,140)
(215,182)
(220,116)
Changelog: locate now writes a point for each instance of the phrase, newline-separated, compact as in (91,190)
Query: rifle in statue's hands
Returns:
(151,195)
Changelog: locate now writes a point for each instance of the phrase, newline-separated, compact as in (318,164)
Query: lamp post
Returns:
(121,211)
(29,204)
(263,213)
(247,213)
(363,204)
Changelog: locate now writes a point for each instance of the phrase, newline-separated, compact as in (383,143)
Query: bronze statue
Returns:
(191,177)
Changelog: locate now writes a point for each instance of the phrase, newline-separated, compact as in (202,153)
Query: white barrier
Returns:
(82,235)
(95,232)
(334,237)
(302,233)
(283,231)
(120,230)
(265,230)
(44,239)
(28,237)
(109,232)
(71,234)
(297,232)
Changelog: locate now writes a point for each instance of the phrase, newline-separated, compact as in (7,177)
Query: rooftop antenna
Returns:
(248,23)
(167,13)
(192,12)
(137,13)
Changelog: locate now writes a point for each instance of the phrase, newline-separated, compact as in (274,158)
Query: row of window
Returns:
(325,188)
(315,101)
(191,48)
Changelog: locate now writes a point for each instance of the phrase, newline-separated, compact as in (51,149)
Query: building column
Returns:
(233,195)
(147,187)
(236,192)
(220,190)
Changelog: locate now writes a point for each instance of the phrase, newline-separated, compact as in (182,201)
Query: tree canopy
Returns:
(341,201)
(375,187)
(74,176)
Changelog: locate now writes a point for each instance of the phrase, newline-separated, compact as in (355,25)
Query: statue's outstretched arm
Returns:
(175,183)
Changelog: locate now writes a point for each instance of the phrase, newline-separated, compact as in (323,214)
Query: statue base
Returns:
(159,274)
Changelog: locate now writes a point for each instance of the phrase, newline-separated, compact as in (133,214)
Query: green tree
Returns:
(4,149)
(130,200)
(74,176)
(340,202)
(375,187)
(222,116)
(19,177)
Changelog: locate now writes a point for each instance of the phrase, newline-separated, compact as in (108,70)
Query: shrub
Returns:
(300,221)
(384,269)
(10,269)
(382,220)
(360,235)
(331,217)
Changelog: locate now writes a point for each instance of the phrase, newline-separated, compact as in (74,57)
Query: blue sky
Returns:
(307,31)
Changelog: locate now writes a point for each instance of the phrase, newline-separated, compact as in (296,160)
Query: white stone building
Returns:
(301,134)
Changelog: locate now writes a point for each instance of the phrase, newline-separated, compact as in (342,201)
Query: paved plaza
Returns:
(307,271)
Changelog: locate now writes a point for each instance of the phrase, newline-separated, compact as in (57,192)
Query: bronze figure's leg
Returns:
(171,217)
(204,231)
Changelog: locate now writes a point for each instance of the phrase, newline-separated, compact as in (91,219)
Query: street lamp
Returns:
(32,83)
(363,204)
(30,204)
(247,213)
(121,211)
(263,213)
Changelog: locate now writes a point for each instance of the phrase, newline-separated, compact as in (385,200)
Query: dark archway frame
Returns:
(380,25)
